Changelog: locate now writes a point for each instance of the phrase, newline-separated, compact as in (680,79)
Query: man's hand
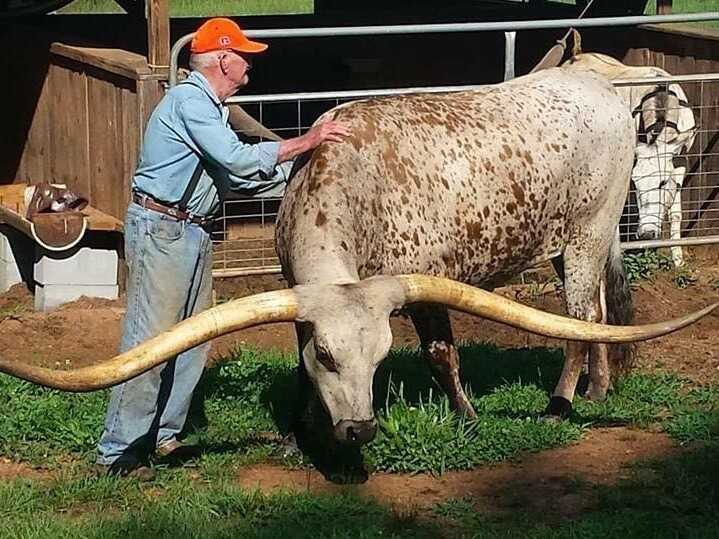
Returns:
(327,131)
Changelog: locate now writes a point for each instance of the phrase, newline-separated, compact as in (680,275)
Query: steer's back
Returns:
(474,186)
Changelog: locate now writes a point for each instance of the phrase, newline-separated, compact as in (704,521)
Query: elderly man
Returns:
(190,159)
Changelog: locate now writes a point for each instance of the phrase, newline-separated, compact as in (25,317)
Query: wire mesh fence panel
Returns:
(673,189)
(675,181)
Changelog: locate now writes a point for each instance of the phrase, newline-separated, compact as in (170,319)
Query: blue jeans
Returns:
(169,279)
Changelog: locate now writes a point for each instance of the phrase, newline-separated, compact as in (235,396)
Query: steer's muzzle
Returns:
(355,432)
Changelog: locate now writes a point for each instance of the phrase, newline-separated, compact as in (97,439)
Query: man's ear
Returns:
(223,63)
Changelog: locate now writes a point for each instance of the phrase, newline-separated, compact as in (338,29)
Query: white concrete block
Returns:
(9,271)
(85,267)
(49,297)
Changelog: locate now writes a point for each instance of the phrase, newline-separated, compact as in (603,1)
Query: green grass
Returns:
(203,8)
(689,6)
(254,394)
(509,388)
(678,6)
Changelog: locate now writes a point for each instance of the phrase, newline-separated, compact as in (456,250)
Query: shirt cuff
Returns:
(269,153)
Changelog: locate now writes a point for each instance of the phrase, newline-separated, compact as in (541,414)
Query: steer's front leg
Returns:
(675,217)
(435,335)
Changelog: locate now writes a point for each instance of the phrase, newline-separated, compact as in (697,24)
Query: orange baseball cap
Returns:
(220,34)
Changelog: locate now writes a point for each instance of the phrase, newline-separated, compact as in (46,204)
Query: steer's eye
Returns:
(324,357)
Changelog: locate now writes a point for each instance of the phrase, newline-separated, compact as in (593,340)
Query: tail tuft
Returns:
(620,310)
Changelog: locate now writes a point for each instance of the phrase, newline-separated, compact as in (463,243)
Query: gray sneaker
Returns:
(176,453)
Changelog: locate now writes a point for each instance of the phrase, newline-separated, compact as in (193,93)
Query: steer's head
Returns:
(350,335)
(657,180)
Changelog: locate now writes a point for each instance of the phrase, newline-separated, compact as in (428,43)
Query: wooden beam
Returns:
(664,7)
(118,61)
(158,33)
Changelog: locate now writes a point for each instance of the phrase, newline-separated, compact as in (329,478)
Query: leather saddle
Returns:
(55,214)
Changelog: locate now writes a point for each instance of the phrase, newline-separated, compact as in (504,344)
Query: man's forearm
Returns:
(291,148)
(330,131)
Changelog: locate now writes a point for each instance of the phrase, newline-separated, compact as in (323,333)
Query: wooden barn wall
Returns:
(83,126)
(86,132)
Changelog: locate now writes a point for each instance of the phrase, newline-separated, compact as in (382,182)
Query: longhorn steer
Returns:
(474,186)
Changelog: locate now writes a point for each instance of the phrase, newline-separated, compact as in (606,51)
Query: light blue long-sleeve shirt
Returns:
(191,121)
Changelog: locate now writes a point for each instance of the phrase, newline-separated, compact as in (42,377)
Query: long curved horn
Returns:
(277,306)
(471,300)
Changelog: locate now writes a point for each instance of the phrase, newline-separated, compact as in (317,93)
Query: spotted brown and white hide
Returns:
(474,186)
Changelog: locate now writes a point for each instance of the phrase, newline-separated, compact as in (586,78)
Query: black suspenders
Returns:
(191,186)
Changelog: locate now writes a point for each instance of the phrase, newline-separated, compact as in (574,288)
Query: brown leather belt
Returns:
(151,204)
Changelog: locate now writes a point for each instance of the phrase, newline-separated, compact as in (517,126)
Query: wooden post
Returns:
(158,34)
(664,7)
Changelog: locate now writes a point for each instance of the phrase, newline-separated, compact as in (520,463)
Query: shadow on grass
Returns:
(483,368)
(676,496)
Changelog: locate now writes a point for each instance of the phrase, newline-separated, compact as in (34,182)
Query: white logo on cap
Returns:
(225,41)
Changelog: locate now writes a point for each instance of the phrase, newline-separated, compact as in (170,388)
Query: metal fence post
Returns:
(510,46)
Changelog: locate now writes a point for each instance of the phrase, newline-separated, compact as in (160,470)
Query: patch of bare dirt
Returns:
(10,470)
(557,482)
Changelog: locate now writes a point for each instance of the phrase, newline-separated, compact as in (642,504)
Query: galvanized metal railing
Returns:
(406,29)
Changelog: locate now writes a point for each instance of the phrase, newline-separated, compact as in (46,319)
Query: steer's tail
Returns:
(620,310)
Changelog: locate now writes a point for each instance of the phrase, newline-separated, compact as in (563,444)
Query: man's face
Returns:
(235,66)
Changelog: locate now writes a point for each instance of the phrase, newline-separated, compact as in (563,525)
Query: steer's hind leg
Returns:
(435,335)
(582,275)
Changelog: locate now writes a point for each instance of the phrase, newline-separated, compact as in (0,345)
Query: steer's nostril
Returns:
(355,432)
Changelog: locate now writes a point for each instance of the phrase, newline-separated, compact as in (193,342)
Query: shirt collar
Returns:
(198,79)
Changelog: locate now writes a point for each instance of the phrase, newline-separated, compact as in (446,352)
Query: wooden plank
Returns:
(105,144)
(130,147)
(637,57)
(149,94)
(664,7)
(685,30)
(37,154)
(158,33)
(117,61)
(69,129)
(12,211)
(658,59)
(672,64)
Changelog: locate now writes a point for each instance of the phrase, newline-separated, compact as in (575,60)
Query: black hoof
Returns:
(559,407)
